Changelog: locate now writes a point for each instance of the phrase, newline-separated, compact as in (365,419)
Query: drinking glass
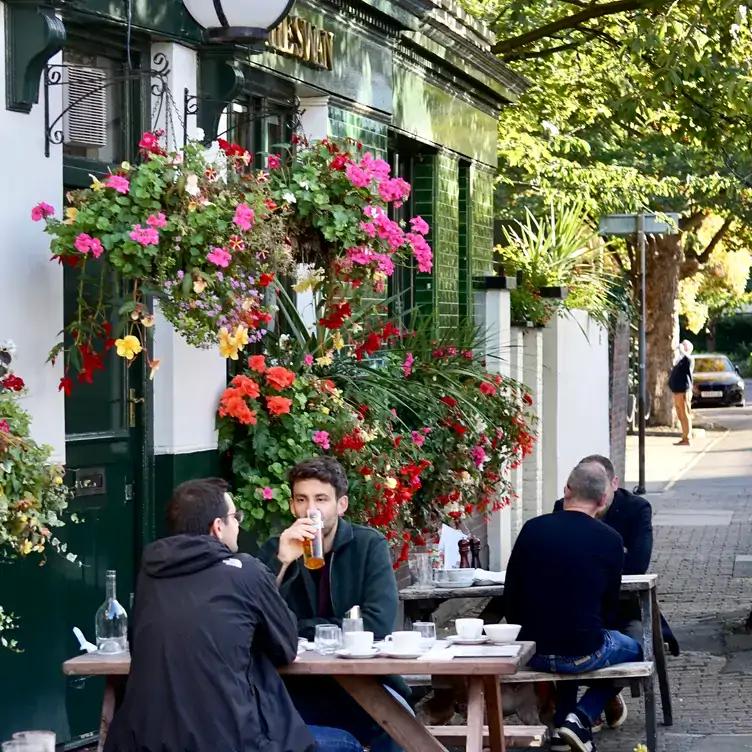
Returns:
(420,569)
(38,741)
(19,745)
(427,631)
(328,639)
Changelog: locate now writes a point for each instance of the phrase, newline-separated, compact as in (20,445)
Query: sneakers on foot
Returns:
(558,744)
(616,712)
(576,734)
(597,727)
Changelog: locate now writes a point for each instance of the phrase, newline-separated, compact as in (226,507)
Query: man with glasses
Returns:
(209,630)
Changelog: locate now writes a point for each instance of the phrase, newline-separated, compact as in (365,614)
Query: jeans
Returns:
(617,648)
(323,702)
(334,740)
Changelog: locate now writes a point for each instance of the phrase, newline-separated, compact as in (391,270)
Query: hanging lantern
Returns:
(241,21)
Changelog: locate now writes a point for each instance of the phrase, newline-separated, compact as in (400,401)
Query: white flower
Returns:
(191,185)
(284,340)
(289,197)
(9,346)
(196,134)
(304,184)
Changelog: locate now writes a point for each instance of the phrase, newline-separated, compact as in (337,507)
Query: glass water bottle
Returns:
(111,621)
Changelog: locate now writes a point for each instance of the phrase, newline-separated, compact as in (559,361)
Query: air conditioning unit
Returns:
(84,106)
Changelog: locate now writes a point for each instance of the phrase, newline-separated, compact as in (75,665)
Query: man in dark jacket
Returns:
(209,630)
(680,384)
(358,572)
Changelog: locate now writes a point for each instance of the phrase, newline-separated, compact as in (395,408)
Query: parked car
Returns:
(717,381)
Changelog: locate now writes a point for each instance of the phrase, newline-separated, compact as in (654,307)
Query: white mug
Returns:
(404,642)
(469,629)
(358,643)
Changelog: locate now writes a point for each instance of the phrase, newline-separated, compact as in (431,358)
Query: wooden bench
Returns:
(638,676)
(515,737)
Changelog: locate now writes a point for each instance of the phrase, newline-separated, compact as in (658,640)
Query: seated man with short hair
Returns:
(562,586)
(209,630)
(357,572)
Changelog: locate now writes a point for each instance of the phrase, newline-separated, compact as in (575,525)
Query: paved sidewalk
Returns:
(702,503)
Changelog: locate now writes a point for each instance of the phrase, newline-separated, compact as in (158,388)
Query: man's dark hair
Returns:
(588,482)
(325,469)
(195,505)
(604,462)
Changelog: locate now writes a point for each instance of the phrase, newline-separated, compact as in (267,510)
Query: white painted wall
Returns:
(532,466)
(497,331)
(190,380)
(31,287)
(517,371)
(575,397)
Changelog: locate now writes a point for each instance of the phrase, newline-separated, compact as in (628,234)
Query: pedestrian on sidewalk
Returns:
(680,384)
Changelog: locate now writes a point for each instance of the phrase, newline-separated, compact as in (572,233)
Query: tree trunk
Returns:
(664,256)
(710,337)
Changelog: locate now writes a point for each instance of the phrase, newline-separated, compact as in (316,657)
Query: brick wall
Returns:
(618,392)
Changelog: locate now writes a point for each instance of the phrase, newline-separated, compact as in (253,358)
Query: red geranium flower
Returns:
(266,279)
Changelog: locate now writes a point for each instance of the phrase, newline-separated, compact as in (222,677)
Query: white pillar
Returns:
(497,326)
(190,380)
(31,287)
(532,467)
(182,75)
(517,372)
(315,117)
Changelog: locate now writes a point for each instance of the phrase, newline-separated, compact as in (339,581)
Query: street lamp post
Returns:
(624,225)
(239,21)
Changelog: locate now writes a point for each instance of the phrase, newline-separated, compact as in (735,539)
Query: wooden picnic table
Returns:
(421,602)
(359,679)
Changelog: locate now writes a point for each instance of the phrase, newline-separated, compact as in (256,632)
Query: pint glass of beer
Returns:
(313,550)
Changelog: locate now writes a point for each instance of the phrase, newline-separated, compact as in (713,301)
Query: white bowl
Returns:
(502,632)
(460,575)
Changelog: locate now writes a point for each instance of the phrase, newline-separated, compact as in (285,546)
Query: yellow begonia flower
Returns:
(325,360)
(228,345)
(310,282)
(337,341)
(391,483)
(26,547)
(199,285)
(640,748)
(128,347)
(71,213)
(325,410)
(125,166)
(97,184)
(148,321)
(58,481)
(241,335)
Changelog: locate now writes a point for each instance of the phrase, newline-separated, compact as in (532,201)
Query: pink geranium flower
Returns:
(418,438)
(146,236)
(244,217)
(40,211)
(308,360)
(158,220)
(118,183)
(420,225)
(274,161)
(407,366)
(268,493)
(219,256)
(4,427)
(321,438)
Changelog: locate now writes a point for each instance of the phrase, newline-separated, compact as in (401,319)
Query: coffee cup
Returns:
(403,642)
(469,629)
(358,643)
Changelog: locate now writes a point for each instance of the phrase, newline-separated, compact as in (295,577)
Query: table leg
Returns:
(660,661)
(475,714)
(648,642)
(404,728)
(108,709)
(494,713)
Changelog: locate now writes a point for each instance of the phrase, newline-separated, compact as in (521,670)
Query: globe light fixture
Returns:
(241,21)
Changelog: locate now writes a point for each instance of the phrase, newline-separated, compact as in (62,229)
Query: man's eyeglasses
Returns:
(239,516)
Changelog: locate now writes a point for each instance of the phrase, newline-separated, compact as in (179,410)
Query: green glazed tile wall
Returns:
(371,133)
(465,267)
(481,220)
(424,173)
(446,244)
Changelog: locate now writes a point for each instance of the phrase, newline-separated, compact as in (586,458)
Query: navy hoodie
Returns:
(208,629)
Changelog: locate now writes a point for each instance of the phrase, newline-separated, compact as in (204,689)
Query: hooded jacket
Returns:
(209,629)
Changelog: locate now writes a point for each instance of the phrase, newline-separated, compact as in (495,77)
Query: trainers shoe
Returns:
(616,712)
(576,734)
(558,744)
(597,727)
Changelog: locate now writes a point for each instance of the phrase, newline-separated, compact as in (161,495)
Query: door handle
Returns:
(132,402)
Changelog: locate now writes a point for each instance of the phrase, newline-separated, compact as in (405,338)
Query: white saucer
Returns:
(457,640)
(405,656)
(357,656)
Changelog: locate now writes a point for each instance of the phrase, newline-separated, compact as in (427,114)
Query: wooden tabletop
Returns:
(629,584)
(312,663)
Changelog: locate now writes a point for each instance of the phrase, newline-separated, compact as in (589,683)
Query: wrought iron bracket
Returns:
(53,76)
(32,36)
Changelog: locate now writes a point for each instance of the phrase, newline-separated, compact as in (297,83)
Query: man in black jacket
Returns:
(680,384)
(562,586)
(209,630)
(358,572)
